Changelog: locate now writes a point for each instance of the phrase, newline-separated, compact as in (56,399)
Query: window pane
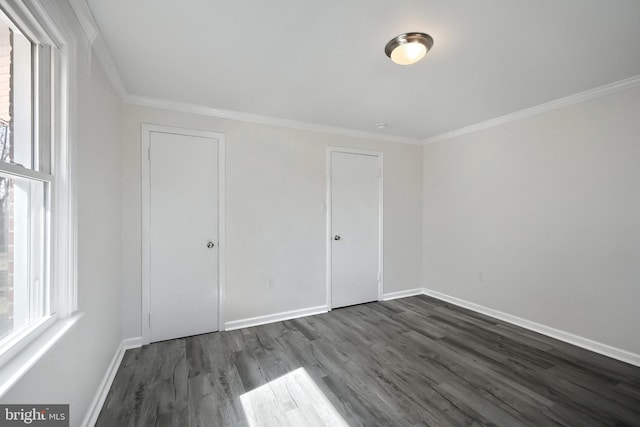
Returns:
(24,294)
(16,95)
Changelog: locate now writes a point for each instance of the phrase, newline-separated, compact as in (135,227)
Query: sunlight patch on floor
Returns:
(293,399)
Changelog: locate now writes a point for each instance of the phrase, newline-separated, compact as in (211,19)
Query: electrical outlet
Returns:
(271,283)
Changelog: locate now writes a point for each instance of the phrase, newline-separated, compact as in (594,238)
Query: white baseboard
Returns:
(597,347)
(402,294)
(586,343)
(101,395)
(130,343)
(277,317)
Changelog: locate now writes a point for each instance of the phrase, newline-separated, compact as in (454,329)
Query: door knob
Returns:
(337,237)
(210,244)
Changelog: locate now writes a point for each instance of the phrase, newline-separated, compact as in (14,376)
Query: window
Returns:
(34,194)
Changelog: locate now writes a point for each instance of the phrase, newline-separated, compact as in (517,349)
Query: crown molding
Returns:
(85,17)
(102,52)
(538,109)
(184,107)
(83,13)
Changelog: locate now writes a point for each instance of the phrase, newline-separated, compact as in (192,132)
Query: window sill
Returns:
(15,368)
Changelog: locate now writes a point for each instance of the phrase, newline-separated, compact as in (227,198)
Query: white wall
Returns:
(276,183)
(72,371)
(547,208)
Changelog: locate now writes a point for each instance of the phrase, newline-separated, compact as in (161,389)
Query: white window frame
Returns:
(45,23)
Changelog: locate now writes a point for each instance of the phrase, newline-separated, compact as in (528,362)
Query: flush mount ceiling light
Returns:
(408,48)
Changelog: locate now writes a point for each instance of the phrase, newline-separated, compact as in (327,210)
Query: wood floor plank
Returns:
(414,361)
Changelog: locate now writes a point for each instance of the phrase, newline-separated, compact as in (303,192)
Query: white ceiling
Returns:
(323,62)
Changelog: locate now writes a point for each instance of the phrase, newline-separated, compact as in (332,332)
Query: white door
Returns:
(355,228)
(183,235)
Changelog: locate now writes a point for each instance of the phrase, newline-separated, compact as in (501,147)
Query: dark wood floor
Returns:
(407,362)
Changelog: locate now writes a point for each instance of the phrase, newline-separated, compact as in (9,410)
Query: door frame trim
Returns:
(379,155)
(145,143)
